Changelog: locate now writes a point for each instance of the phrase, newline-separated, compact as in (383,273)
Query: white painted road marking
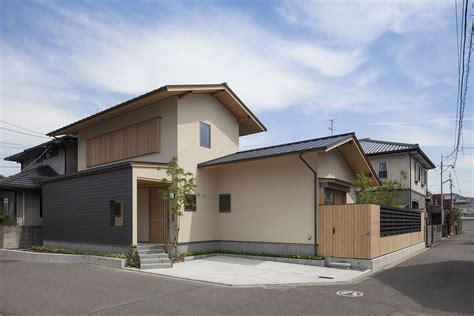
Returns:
(348,293)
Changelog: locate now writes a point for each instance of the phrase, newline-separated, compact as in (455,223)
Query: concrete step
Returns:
(150,246)
(150,251)
(147,266)
(148,261)
(154,256)
(341,265)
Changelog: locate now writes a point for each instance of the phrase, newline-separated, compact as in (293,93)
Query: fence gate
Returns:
(343,232)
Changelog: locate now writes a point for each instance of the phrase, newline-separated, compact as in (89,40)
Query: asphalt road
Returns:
(440,280)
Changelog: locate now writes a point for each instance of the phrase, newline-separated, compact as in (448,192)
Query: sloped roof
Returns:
(284,149)
(374,147)
(248,122)
(27,179)
(37,150)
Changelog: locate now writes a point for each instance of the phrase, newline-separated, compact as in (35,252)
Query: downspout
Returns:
(315,203)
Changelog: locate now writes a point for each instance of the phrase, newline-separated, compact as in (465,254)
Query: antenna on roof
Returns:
(331,125)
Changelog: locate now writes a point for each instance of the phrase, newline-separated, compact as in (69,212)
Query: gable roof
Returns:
(37,150)
(347,144)
(374,147)
(28,179)
(248,122)
(283,149)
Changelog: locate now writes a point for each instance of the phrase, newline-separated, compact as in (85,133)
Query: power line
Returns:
(12,130)
(26,129)
(10,166)
(7,143)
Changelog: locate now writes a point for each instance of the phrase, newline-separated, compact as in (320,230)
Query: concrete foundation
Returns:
(379,262)
(249,247)
(15,237)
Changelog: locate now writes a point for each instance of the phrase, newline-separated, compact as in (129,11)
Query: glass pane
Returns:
(205,135)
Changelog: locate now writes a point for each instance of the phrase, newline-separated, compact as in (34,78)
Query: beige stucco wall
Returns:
(193,109)
(166,109)
(272,200)
(396,164)
(333,165)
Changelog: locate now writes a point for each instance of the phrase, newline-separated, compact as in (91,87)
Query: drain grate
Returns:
(325,277)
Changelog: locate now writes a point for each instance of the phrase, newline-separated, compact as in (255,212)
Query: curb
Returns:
(63,258)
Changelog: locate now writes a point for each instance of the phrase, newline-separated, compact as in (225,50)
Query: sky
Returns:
(384,69)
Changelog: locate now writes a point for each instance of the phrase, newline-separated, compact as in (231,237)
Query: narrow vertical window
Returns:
(383,170)
(205,135)
(41,206)
(224,203)
(190,205)
(116,213)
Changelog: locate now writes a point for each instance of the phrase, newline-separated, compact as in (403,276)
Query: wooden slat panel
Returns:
(158,217)
(325,230)
(131,141)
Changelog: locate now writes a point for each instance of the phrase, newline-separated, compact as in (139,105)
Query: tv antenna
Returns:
(331,125)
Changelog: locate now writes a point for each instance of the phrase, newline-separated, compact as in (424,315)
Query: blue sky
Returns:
(385,70)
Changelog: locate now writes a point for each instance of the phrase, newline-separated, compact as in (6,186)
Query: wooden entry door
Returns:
(158,217)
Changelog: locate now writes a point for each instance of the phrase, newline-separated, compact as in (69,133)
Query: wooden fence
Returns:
(354,230)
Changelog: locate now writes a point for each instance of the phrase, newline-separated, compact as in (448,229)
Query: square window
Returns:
(383,170)
(190,205)
(224,203)
(116,213)
(205,135)
(328,197)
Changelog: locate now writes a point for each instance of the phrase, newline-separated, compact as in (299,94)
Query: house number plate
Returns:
(348,293)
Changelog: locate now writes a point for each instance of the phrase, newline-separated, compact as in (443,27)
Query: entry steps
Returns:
(153,256)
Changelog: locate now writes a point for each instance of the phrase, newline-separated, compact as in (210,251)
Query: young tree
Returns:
(182,187)
(387,194)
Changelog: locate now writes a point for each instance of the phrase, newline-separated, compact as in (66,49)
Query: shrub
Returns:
(72,251)
(6,219)
(133,260)
(261,254)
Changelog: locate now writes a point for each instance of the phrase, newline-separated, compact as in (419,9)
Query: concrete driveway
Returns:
(235,271)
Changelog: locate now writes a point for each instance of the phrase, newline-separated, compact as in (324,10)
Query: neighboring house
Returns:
(391,159)
(467,217)
(456,201)
(20,194)
(260,200)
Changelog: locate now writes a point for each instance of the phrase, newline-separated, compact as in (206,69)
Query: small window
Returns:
(116,213)
(224,203)
(205,135)
(5,204)
(328,197)
(383,170)
(415,205)
(190,205)
(417,172)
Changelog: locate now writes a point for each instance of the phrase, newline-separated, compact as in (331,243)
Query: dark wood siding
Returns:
(77,209)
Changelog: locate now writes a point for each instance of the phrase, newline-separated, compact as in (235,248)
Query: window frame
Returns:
(116,221)
(201,125)
(221,210)
(190,207)
(417,172)
(386,169)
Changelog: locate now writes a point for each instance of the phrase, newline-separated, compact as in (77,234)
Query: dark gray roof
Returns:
(37,150)
(27,179)
(374,147)
(371,146)
(278,150)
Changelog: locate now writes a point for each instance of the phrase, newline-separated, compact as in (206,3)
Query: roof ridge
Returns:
(292,143)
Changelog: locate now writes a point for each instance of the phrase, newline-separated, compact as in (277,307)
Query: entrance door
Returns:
(158,217)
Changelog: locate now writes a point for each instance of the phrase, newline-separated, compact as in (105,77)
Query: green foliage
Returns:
(260,254)
(73,251)
(133,260)
(6,219)
(387,195)
(183,184)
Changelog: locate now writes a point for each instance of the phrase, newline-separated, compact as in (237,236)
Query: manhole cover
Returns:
(348,293)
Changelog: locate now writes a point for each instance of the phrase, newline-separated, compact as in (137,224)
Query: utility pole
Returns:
(442,196)
(331,127)
(450,217)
